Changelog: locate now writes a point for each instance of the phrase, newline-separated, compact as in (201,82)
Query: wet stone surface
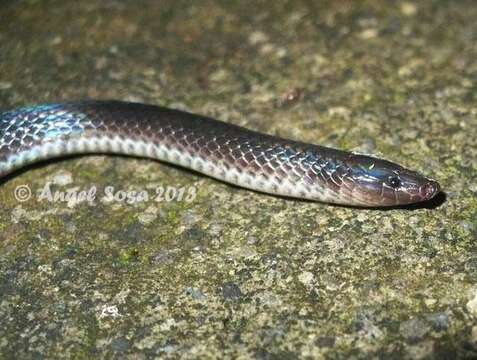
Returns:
(233,272)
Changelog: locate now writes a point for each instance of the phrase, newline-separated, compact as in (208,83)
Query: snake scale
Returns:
(223,151)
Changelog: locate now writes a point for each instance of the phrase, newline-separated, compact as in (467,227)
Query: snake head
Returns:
(377,182)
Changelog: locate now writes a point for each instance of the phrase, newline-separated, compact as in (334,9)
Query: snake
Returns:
(221,150)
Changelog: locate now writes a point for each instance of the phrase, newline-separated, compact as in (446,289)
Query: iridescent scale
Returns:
(227,152)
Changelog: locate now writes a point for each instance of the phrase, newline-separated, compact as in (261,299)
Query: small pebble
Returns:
(413,329)
(306,278)
(5,85)
(231,291)
(408,9)
(472,304)
(196,294)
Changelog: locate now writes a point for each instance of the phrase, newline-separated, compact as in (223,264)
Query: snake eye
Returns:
(394,182)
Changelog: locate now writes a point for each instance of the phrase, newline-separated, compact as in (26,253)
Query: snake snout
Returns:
(429,189)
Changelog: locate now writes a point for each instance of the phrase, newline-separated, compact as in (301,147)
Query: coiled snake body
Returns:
(227,152)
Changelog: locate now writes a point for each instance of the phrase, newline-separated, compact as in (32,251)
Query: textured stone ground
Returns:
(233,272)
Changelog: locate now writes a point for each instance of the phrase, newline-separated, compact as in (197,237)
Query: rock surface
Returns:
(232,272)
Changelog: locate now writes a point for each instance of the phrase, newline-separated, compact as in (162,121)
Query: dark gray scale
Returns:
(228,152)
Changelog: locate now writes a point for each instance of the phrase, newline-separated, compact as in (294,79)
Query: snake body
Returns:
(224,151)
